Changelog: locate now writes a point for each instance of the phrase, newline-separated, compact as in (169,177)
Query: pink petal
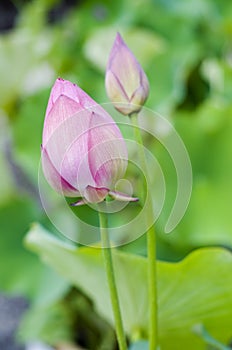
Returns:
(67,145)
(83,144)
(57,182)
(138,98)
(123,197)
(79,203)
(68,89)
(95,195)
(113,86)
(124,65)
(107,151)
(63,108)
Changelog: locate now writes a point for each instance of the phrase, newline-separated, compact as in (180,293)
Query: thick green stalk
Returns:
(111,280)
(151,242)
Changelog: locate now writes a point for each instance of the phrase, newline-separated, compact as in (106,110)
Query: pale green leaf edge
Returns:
(196,290)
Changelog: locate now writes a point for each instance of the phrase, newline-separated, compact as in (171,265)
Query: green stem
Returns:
(103,220)
(151,242)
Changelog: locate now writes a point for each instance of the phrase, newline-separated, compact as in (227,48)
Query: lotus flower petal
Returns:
(57,182)
(126,83)
(83,151)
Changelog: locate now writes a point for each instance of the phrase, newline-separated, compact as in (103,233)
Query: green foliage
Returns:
(190,292)
(21,272)
(213,343)
(185,49)
(70,319)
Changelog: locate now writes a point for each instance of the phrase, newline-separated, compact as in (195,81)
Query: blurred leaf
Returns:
(169,38)
(202,332)
(207,136)
(20,271)
(191,10)
(71,319)
(51,324)
(22,54)
(6,181)
(144,44)
(190,292)
(27,130)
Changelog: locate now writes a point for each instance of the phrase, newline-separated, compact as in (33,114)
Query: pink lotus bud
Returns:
(83,151)
(126,83)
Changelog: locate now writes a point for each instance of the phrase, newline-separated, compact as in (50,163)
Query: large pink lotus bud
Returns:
(83,151)
(126,83)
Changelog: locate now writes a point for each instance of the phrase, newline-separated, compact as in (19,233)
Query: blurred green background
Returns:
(185,48)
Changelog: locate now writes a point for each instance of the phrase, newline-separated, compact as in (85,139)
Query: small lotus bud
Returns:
(83,151)
(126,83)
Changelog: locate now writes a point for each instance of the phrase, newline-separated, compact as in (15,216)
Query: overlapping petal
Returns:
(83,149)
(126,83)
(55,180)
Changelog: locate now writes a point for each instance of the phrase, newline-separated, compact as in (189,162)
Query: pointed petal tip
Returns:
(119,40)
(62,81)
(118,36)
(78,203)
(58,83)
(123,197)
(135,199)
